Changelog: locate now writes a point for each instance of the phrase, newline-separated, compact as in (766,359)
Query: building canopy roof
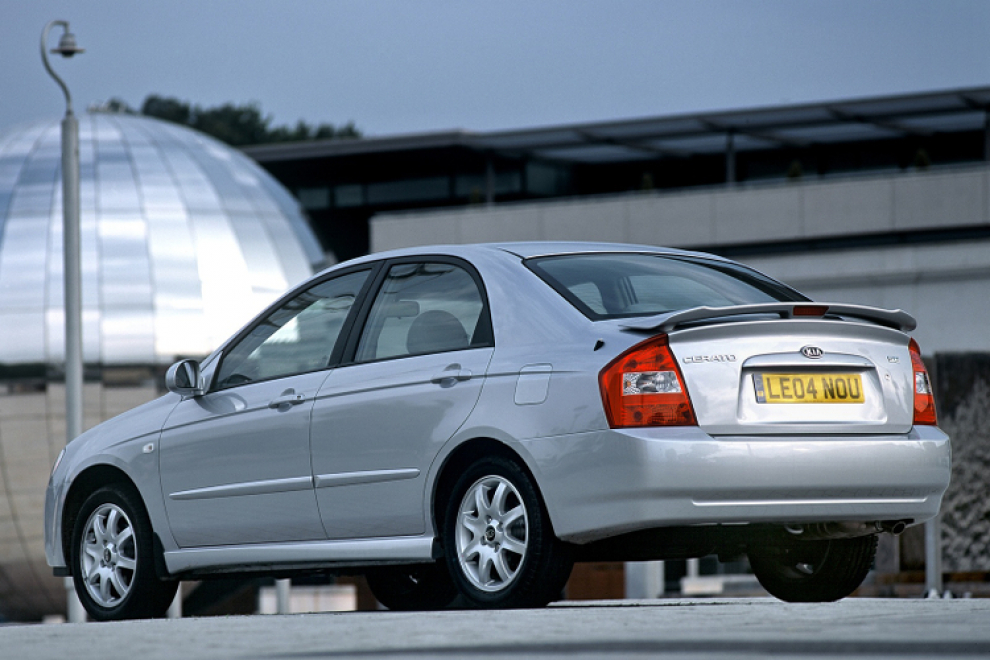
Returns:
(687,135)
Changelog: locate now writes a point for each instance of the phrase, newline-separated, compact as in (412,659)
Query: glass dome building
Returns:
(183,240)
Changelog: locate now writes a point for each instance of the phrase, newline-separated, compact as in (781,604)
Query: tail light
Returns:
(924,401)
(644,387)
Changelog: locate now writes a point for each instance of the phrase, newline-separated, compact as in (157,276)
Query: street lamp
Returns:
(71,260)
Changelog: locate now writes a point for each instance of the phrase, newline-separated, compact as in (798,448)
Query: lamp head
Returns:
(67,45)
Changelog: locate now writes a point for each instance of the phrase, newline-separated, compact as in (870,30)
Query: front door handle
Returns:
(451,375)
(286,399)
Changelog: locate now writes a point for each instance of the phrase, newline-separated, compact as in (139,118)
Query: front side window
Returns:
(297,337)
(424,308)
(605,286)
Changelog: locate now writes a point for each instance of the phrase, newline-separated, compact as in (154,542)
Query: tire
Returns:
(814,571)
(113,563)
(499,544)
(412,587)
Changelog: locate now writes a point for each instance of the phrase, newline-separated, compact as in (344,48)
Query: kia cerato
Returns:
(471,420)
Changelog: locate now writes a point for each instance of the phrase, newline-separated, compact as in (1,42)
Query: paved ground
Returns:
(695,629)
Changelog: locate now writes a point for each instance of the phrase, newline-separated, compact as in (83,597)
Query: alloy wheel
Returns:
(492,533)
(108,553)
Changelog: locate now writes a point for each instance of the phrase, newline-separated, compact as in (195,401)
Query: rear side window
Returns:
(605,286)
(424,308)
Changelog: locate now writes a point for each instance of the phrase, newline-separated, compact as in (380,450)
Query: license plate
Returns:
(808,388)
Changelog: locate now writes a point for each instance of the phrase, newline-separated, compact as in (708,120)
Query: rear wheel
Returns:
(113,566)
(413,587)
(814,571)
(500,546)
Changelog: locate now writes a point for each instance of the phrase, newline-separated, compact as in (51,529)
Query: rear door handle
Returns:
(451,375)
(286,399)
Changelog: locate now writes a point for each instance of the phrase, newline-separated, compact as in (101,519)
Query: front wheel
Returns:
(113,566)
(500,547)
(814,571)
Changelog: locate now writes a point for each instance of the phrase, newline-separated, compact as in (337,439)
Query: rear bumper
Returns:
(606,483)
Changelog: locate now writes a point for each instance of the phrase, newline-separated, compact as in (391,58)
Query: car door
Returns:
(411,378)
(235,462)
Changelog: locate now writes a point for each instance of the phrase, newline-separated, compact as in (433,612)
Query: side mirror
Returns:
(185,379)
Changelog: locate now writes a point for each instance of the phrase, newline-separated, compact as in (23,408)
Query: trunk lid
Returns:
(755,373)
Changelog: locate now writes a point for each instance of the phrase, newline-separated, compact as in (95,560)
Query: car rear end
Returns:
(800,421)
(735,400)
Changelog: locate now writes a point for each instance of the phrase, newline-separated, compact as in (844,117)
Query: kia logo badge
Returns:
(812,352)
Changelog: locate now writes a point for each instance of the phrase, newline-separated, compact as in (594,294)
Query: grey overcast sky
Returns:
(408,66)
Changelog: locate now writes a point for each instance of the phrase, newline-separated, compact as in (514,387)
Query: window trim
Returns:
(357,329)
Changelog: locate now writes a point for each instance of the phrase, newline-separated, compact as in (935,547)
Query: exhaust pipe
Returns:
(845,530)
(895,527)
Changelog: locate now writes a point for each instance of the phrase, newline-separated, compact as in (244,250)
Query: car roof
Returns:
(530,249)
(527,250)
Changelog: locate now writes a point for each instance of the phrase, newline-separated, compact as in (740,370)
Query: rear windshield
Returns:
(606,286)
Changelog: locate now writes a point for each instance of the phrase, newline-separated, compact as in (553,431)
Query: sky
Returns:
(413,66)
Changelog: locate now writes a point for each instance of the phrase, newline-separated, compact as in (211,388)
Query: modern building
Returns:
(183,240)
(345,183)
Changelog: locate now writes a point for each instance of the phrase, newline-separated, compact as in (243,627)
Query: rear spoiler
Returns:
(892,318)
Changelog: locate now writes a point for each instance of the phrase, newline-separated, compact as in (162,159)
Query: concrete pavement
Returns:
(702,628)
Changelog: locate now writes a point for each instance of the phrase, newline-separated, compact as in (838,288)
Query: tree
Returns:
(168,109)
(239,125)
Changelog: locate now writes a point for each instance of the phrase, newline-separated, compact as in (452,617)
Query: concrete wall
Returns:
(715,216)
(942,284)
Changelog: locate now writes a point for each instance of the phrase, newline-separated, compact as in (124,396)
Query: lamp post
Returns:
(71,260)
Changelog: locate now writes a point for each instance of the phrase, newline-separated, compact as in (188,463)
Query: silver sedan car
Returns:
(471,420)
